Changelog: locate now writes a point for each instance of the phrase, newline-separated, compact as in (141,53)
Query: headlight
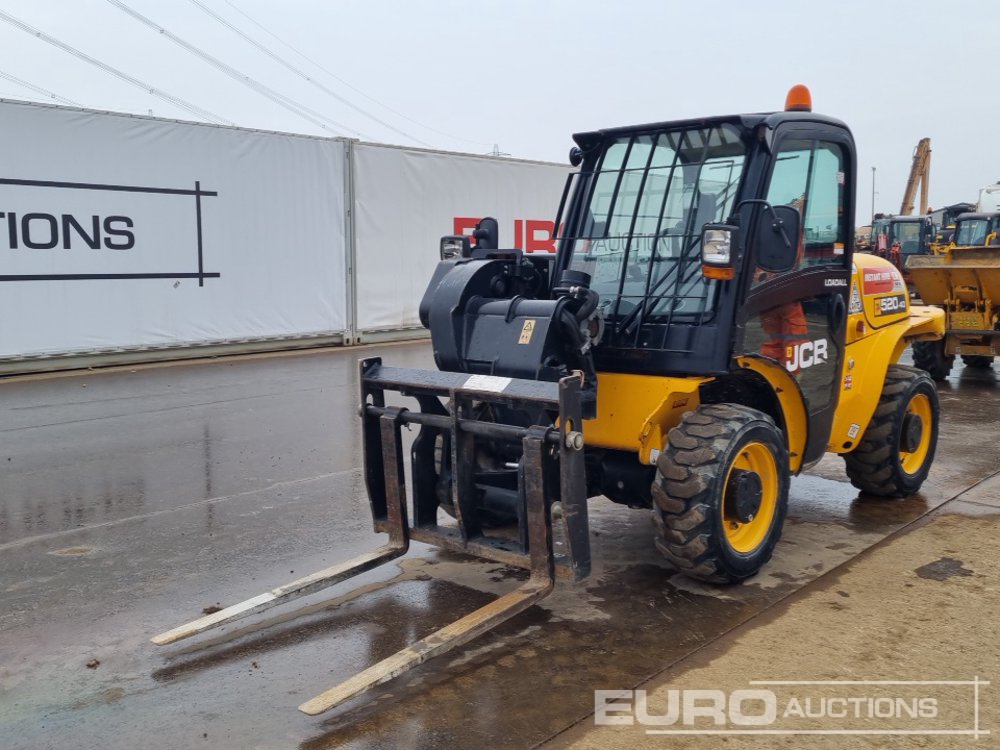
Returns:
(716,246)
(454,246)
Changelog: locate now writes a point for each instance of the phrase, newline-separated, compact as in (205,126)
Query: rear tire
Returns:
(721,493)
(978,361)
(897,450)
(930,357)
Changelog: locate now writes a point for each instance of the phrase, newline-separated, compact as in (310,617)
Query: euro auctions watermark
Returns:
(802,707)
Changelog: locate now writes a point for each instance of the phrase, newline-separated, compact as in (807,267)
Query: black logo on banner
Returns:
(39,230)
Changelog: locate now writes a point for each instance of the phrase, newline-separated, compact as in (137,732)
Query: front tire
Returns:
(897,450)
(721,493)
(930,357)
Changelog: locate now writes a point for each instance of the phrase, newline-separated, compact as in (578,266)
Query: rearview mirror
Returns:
(778,238)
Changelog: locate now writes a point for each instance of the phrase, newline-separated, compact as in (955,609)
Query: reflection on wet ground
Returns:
(133,505)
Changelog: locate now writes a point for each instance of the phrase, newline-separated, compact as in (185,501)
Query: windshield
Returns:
(907,234)
(971,232)
(640,236)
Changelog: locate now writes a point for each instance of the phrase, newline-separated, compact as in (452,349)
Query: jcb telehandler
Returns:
(702,333)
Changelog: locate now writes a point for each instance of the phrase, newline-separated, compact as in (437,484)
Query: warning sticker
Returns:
(526,330)
(853,431)
(486,383)
(855,304)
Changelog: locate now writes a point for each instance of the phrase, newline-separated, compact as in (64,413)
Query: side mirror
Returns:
(778,238)
(719,243)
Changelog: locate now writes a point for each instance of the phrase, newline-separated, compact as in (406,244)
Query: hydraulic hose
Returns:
(589,305)
(584,361)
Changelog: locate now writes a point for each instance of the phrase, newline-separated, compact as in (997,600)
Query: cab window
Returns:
(972,232)
(809,176)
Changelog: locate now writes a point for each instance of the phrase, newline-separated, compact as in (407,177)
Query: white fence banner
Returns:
(406,200)
(122,232)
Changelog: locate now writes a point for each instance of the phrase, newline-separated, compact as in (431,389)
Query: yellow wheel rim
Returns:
(912,461)
(746,536)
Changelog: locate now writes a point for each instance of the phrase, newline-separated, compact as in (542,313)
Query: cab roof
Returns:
(982,215)
(746,122)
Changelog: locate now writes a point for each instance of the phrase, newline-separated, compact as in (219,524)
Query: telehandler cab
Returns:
(703,333)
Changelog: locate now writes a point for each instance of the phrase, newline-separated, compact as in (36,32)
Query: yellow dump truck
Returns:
(964,279)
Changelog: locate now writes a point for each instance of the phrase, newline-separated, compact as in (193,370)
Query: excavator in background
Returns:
(920,174)
(896,238)
(704,332)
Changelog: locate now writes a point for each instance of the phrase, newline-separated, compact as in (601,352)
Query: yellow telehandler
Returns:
(703,333)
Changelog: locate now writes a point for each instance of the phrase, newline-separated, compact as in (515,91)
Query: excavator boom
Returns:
(920,172)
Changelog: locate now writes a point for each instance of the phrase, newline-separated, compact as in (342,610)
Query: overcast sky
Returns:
(525,75)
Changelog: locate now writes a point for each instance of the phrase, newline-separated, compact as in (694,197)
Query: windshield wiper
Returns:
(625,326)
(626,323)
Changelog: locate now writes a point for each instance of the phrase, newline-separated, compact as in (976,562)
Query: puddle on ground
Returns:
(943,569)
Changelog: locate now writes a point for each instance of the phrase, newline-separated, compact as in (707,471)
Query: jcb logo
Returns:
(806,354)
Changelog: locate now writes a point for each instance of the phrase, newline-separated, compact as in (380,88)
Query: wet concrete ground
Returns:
(131,500)
(914,610)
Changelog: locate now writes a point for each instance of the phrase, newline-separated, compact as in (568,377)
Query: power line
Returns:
(176,101)
(277,58)
(280,99)
(348,85)
(36,89)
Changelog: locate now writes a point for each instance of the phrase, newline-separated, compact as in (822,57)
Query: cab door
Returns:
(798,318)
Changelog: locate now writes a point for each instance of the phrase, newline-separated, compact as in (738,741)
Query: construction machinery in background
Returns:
(943,221)
(703,333)
(863,239)
(909,235)
(920,174)
(895,237)
(964,279)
